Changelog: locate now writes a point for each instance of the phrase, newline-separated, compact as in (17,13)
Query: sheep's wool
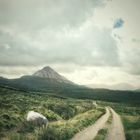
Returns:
(34,115)
(36,118)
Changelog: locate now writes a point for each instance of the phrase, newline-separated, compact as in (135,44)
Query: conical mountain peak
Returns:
(49,73)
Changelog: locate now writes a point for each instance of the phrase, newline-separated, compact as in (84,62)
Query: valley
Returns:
(69,70)
(67,116)
(73,111)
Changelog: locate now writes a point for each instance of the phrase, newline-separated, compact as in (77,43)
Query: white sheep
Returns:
(37,119)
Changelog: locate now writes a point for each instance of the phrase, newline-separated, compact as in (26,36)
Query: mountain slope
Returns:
(42,80)
(60,86)
(48,72)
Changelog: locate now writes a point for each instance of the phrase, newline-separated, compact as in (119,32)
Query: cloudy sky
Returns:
(87,41)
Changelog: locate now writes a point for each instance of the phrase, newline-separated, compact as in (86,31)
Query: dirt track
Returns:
(90,132)
(116,131)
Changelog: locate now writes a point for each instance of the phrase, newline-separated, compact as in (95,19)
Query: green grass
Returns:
(132,126)
(63,130)
(101,134)
(109,121)
(66,115)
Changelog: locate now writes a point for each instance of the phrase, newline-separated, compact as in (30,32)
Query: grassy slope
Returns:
(104,95)
(15,104)
(37,84)
(132,126)
(63,130)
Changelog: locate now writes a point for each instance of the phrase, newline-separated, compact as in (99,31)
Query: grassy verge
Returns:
(132,127)
(109,121)
(63,130)
(60,130)
(66,115)
(101,134)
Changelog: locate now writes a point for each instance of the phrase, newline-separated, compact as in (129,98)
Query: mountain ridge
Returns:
(35,84)
(45,79)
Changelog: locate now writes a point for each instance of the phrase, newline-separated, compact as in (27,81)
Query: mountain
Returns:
(45,79)
(49,73)
(48,81)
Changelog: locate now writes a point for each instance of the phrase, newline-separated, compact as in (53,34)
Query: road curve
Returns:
(90,132)
(116,131)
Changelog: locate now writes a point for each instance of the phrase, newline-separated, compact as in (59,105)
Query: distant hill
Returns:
(138,90)
(49,81)
(120,86)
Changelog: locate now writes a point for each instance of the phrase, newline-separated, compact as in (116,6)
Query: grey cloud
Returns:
(46,13)
(135,40)
(92,47)
(132,60)
(43,32)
